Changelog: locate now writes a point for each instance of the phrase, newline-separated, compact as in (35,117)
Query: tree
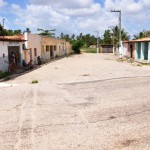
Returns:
(107,37)
(49,33)
(73,36)
(142,34)
(61,35)
(76,45)
(28,30)
(17,32)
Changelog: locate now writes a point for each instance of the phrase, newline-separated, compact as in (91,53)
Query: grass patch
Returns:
(89,50)
(34,81)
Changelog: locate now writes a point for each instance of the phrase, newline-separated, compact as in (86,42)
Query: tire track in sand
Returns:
(26,123)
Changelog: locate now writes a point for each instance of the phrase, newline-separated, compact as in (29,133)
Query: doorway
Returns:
(16,51)
(131,51)
(51,52)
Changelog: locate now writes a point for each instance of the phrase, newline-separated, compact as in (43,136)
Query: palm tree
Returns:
(49,33)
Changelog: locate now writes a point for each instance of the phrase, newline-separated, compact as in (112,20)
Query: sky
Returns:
(75,16)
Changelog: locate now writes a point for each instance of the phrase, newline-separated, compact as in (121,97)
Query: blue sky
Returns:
(75,16)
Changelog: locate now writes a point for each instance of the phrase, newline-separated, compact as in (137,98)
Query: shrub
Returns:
(34,81)
(3,74)
(76,45)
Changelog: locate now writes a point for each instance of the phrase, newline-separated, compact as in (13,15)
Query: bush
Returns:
(3,74)
(76,45)
(34,81)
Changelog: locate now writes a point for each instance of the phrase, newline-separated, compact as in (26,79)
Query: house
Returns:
(106,48)
(54,47)
(9,44)
(31,47)
(138,49)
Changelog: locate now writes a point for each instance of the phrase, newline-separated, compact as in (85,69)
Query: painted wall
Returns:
(4,60)
(58,47)
(33,44)
(142,51)
(129,49)
(3,56)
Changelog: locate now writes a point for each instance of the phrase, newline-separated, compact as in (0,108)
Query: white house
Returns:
(9,44)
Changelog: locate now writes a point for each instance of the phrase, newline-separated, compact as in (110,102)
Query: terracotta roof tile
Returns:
(12,38)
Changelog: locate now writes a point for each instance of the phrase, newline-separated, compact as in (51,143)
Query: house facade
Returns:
(9,44)
(142,52)
(129,49)
(32,47)
(138,49)
(29,46)
(54,47)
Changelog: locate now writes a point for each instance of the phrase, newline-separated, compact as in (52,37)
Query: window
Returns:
(35,52)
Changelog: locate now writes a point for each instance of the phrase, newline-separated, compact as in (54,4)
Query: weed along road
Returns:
(82,102)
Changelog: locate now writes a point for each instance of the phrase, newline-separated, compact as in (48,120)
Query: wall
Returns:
(59,47)
(33,41)
(3,50)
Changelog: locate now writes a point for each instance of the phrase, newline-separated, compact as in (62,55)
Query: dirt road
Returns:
(83,102)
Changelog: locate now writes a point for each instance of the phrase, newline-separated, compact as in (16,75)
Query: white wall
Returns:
(3,51)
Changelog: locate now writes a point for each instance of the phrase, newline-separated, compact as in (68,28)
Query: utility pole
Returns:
(119,11)
(97,41)
(3,29)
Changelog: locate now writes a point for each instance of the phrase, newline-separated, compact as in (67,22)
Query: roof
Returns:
(146,39)
(18,38)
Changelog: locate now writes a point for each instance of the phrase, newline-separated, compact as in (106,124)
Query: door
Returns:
(51,52)
(146,51)
(17,54)
(131,51)
(30,53)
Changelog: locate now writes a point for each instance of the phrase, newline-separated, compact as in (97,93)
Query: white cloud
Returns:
(84,16)
(2,3)
(64,3)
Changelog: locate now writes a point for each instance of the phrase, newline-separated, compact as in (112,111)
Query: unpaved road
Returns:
(83,102)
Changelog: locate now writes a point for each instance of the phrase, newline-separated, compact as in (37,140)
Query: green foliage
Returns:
(76,45)
(34,81)
(107,37)
(4,32)
(142,34)
(3,74)
(49,33)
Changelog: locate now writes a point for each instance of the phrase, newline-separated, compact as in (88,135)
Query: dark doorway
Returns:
(146,51)
(16,50)
(51,52)
(131,51)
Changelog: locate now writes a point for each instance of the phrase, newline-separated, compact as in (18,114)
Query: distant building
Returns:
(106,48)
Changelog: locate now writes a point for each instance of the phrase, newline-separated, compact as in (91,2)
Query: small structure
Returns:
(142,49)
(138,49)
(9,44)
(106,48)
(129,49)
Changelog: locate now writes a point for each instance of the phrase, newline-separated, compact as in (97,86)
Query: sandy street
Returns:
(82,102)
